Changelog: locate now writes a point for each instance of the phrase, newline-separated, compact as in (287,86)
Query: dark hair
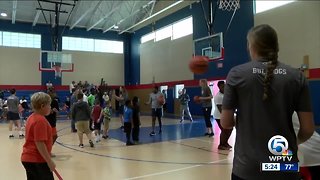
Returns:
(156,88)
(13,90)
(220,83)
(80,95)
(127,103)
(264,41)
(135,100)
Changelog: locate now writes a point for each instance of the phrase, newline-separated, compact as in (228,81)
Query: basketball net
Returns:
(229,5)
(57,71)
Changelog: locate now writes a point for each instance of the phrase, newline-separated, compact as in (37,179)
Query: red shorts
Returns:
(54,131)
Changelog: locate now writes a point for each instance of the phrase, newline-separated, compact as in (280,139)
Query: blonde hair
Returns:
(39,99)
(204,82)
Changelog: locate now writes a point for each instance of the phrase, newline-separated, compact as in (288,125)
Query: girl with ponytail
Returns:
(265,93)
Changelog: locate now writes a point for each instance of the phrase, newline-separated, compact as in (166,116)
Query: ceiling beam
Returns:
(151,11)
(36,17)
(92,8)
(106,16)
(130,15)
(96,8)
(152,16)
(14,11)
(57,2)
(74,12)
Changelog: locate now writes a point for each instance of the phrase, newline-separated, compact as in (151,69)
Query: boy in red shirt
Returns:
(36,152)
(95,115)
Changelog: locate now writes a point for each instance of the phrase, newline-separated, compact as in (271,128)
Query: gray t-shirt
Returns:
(13,103)
(125,98)
(206,92)
(258,120)
(153,99)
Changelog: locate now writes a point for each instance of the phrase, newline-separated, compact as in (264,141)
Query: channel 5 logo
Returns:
(279,146)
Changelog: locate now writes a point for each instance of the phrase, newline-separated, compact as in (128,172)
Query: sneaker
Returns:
(21,136)
(152,133)
(105,137)
(206,134)
(81,145)
(191,120)
(74,131)
(11,136)
(91,143)
(136,142)
(122,127)
(228,145)
(221,147)
(181,121)
(211,134)
(129,144)
(53,155)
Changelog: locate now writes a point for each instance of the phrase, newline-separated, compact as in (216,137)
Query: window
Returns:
(178,88)
(148,37)
(182,28)
(176,30)
(164,90)
(92,45)
(14,39)
(261,6)
(164,33)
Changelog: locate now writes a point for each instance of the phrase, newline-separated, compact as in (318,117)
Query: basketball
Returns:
(199,64)
(196,99)
(161,100)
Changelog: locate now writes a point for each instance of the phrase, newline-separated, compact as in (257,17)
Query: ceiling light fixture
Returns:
(4,14)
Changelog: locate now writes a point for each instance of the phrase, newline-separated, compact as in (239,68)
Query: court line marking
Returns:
(174,170)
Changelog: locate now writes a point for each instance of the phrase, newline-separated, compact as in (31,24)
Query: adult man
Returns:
(156,109)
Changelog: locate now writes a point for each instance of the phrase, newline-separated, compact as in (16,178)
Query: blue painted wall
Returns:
(234,41)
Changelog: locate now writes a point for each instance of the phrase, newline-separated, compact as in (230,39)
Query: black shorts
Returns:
(97,126)
(37,171)
(121,109)
(13,116)
(156,112)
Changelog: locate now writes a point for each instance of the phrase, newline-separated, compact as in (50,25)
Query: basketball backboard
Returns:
(49,60)
(210,46)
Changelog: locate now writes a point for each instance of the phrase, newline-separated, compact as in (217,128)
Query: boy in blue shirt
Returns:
(127,118)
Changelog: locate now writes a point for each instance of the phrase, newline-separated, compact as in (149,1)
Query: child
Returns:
(95,115)
(127,119)
(81,115)
(67,107)
(106,113)
(38,141)
(136,120)
(52,117)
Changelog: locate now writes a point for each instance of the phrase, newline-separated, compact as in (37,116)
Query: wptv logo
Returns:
(279,147)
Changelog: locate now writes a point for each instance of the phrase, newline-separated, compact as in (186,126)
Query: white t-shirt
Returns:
(71,86)
(85,98)
(308,152)
(217,101)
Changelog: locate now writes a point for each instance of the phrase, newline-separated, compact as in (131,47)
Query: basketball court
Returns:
(70,41)
(180,152)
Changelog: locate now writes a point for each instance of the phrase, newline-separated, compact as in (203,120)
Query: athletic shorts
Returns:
(106,123)
(156,112)
(121,109)
(13,116)
(83,126)
(97,125)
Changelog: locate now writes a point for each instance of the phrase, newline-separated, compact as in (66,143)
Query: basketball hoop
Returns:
(57,71)
(229,5)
